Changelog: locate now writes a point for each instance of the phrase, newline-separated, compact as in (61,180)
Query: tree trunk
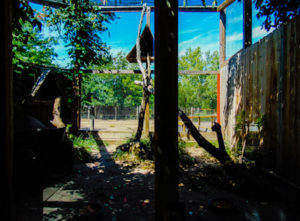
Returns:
(76,84)
(219,153)
(146,83)
(57,121)
(139,131)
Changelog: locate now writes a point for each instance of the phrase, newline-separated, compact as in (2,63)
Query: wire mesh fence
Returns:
(131,113)
(112,112)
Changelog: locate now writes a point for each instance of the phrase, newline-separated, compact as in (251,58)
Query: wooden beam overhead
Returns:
(88,71)
(224,5)
(112,71)
(125,8)
(198,72)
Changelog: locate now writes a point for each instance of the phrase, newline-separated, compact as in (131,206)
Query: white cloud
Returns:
(204,47)
(258,32)
(188,31)
(235,37)
(115,50)
(235,19)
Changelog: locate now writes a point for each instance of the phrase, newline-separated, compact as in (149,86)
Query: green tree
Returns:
(80,25)
(112,90)
(29,45)
(33,48)
(198,90)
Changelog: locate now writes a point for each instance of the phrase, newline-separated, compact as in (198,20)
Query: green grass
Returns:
(83,147)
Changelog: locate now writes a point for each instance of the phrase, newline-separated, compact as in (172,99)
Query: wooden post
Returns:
(148,13)
(6,131)
(167,207)
(78,103)
(222,27)
(219,98)
(247,23)
(116,112)
(147,118)
(147,110)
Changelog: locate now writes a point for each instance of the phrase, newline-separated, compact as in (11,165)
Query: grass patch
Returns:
(184,158)
(83,147)
(136,154)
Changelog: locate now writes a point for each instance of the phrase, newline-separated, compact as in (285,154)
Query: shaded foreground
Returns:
(108,190)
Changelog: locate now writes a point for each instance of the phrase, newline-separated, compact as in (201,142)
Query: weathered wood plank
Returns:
(268,75)
(222,37)
(224,5)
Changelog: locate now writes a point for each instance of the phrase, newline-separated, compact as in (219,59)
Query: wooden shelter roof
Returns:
(147,46)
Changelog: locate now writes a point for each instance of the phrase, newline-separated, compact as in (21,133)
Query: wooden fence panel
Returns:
(263,80)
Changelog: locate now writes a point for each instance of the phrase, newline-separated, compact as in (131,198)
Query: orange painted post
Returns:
(218,99)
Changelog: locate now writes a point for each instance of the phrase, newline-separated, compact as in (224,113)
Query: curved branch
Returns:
(138,47)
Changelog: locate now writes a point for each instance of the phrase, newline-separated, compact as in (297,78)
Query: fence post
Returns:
(116,112)
(92,123)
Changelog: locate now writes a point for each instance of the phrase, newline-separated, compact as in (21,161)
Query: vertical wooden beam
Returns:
(148,13)
(219,99)
(78,120)
(247,23)
(166,111)
(147,118)
(147,110)
(6,129)
(222,36)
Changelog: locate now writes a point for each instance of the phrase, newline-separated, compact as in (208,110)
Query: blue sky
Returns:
(195,30)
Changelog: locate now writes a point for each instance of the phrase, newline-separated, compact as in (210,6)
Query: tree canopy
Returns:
(198,90)
(80,26)
(112,90)
(276,12)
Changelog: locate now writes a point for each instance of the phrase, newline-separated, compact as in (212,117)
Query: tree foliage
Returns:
(112,90)
(81,26)
(198,90)
(28,43)
(276,12)
(33,48)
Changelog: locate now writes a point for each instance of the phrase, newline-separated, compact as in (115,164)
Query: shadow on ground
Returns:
(102,190)
(105,190)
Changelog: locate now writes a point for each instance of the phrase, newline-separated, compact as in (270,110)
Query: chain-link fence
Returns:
(112,112)
(131,113)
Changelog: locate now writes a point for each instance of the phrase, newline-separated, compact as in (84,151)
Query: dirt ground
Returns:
(118,131)
(110,190)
